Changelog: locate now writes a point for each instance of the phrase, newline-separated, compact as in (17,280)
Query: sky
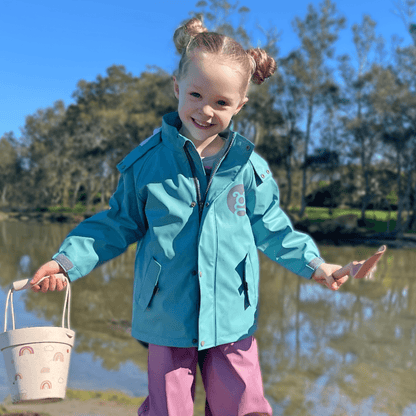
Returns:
(47,46)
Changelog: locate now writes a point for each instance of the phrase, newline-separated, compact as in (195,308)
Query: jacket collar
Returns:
(171,124)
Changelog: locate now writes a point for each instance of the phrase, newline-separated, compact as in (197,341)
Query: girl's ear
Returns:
(241,105)
(175,87)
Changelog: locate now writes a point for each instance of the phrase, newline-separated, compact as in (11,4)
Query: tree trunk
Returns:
(289,181)
(412,218)
(398,228)
(65,192)
(305,168)
(406,202)
(258,136)
(361,139)
(75,196)
(3,196)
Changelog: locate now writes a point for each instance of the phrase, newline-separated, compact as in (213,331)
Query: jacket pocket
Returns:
(244,270)
(150,284)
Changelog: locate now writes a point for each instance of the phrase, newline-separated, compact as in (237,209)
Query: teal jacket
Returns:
(196,276)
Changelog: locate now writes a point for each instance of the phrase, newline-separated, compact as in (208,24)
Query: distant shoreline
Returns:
(45,217)
(360,236)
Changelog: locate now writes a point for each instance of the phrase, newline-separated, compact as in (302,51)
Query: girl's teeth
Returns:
(202,125)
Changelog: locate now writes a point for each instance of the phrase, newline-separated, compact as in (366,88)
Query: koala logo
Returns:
(236,200)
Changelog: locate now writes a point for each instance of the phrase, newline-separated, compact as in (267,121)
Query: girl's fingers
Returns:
(45,285)
(52,283)
(35,288)
(60,285)
(341,280)
(343,272)
(324,281)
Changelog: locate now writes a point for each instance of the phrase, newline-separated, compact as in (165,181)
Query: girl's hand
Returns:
(52,283)
(331,275)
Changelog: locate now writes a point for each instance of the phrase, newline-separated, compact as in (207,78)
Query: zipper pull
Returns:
(201,207)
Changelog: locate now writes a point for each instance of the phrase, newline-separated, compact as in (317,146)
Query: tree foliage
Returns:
(71,153)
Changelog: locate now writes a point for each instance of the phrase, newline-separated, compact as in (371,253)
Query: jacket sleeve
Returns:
(272,229)
(106,234)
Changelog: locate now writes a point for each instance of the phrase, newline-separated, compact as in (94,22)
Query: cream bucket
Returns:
(37,358)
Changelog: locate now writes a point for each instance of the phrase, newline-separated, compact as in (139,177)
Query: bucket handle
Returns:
(25,284)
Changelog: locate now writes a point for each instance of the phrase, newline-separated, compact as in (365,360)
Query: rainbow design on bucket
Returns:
(46,385)
(26,350)
(58,357)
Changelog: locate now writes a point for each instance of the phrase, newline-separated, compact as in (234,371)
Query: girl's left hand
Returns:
(331,275)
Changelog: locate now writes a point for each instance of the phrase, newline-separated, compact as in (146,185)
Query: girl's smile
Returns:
(201,125)
(209,94)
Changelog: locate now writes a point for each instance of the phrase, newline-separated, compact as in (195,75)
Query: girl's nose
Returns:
(207,110)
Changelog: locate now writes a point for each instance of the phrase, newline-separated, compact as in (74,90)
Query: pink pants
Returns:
(230,373)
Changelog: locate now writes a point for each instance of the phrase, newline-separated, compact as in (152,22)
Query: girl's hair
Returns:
(256,64)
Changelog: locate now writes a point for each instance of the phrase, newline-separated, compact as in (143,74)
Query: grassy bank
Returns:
(91,403)
(375,220)
(78,402)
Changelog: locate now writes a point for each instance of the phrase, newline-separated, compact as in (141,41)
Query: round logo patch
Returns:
(236,200)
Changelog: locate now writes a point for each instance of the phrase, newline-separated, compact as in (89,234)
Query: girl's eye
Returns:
(222,103)
(195,94)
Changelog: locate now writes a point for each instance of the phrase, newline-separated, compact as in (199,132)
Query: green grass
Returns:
(4,412)
(77,209)
(107,396)
(314,213)
(376,220)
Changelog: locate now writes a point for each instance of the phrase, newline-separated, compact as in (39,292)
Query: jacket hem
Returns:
(162,341)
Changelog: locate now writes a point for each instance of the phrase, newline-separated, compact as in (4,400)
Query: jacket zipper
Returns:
(201,202)
(196,182)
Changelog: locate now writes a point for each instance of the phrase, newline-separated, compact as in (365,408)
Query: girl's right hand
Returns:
(51,268)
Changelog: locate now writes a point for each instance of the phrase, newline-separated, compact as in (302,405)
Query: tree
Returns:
(395,103)
(406,65)
(359,121)
(317,33)
(283,146)
(112,115)
(9,166)
(42,148)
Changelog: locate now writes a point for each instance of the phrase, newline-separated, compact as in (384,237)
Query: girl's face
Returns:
(209,94)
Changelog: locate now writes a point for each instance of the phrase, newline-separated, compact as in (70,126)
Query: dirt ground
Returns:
(94,406)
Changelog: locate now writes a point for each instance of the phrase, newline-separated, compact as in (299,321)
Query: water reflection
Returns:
(105,356)
(322,352)
(348,352)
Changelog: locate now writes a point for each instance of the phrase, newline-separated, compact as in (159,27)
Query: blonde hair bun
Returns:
(264,65)
(186,32)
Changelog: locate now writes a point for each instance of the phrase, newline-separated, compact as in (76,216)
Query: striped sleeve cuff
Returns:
(64,262)
(316,262)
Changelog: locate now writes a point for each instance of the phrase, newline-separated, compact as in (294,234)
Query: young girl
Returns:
(199,203)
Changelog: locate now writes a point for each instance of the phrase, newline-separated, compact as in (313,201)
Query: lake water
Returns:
(322,353)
